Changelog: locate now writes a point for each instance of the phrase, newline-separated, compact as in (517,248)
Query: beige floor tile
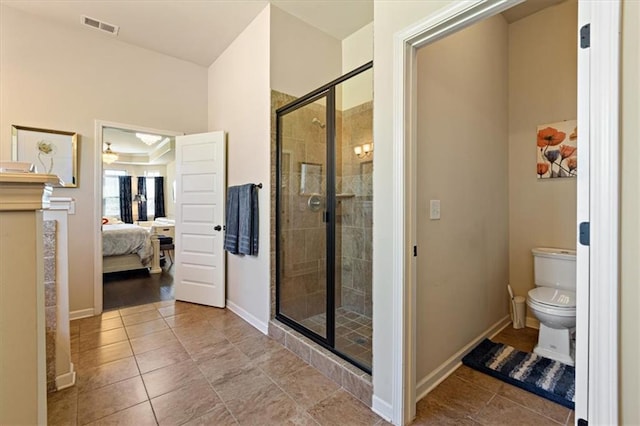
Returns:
(152,341)
(161,357)
(138,330)
(107,374)
(62,407)
(279,363)
(307,386)
(266,405)
(226,362)
(221,322)
(205,345)
(459,397)
(236,382)
(102,338)
(137,309)
(191,318)
(301,418)
(111,314)
(255,347)
(164,303)
(139,317)
(430,411)
(342,409)
(219,416)
(100,325)
(138,415)
(541,406)
(166,379)
(185,404)
(477,378)
(102,402)
(103,354)
(501,411)
(176,308)
(240,332)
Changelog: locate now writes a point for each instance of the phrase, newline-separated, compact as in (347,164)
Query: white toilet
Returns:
(553,302)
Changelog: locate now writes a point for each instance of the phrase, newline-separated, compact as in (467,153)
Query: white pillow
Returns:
(111,220)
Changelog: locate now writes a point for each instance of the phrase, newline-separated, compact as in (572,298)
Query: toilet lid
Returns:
(553,297)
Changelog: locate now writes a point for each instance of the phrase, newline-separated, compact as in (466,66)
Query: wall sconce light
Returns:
(364,150)
(109,156)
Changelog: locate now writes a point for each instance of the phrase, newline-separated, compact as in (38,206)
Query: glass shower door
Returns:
(302,219)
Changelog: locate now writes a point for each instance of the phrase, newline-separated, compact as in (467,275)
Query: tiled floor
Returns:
(353,333)
(177,363)
(468,397)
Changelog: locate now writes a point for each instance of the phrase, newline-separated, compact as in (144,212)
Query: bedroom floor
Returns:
(123,289)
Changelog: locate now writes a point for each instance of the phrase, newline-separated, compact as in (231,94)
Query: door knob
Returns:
(218,228)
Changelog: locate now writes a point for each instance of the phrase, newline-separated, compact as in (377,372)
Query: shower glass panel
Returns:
(324,215)
(303,253)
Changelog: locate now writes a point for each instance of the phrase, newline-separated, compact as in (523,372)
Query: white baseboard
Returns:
(532,323)
(425,385)
(382,408)
(82,313)
(261,326)
(66,380)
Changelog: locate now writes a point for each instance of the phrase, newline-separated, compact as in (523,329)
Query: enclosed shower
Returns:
(324,217)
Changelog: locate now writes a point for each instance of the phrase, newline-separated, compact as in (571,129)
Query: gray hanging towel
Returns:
(232,220)
(248,220)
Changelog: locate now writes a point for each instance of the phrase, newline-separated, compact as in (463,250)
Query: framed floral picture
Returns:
(50,151)
(557,150)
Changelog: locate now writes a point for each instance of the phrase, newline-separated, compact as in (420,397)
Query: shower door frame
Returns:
(329,217)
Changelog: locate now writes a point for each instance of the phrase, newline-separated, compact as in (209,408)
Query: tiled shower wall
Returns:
(50,300)
(354,211)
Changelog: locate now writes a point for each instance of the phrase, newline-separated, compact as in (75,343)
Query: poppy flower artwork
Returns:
(557,146)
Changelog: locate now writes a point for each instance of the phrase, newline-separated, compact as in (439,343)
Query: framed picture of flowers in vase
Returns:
(53,152)
(557,145)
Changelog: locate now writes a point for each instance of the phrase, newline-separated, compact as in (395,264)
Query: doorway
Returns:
(134,190)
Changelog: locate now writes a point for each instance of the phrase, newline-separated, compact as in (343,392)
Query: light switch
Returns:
(434,209)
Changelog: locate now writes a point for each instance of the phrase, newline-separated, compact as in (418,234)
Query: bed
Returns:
(128,247)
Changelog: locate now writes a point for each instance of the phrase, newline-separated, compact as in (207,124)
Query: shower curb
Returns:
(350,378)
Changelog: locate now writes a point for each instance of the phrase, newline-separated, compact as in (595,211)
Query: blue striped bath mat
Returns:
(543,376)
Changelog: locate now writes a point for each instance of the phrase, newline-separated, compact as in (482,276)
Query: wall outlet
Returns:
(434,209)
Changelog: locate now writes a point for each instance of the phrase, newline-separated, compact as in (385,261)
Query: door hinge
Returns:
(582,422)
(584,233)
(585,36)
(415,251)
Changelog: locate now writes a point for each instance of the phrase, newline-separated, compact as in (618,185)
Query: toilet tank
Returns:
(555,268)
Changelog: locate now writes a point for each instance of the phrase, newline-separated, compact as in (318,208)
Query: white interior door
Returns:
(200,197)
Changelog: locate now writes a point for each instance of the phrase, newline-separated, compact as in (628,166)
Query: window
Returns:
(111,193)
(151,193)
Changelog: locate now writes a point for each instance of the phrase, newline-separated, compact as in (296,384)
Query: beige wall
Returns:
(60,78)
(630,228)
(389,18)
(303,58)
(462,266)
(239,103)
(542,213)
(357,49)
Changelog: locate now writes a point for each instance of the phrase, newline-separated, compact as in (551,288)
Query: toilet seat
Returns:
(551,310)
(553,298)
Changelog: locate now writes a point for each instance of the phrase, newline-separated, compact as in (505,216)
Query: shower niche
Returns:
(324,221)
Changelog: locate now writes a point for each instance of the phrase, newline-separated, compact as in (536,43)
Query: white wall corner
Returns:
(251,319)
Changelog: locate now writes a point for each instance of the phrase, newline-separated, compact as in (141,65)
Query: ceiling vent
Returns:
(99,25)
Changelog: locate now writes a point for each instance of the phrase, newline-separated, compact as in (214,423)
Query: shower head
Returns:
(318,122)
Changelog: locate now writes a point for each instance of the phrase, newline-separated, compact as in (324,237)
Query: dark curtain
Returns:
(126,210)
(142,204)
(159,200)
